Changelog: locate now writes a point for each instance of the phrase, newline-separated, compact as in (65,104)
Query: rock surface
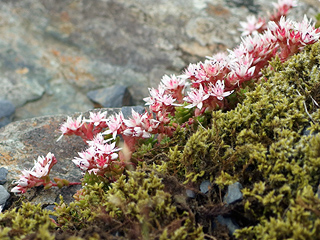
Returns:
(7,110)
(54,52)
(23,141)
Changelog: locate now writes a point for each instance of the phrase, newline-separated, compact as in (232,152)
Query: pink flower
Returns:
(213,68)
(140,126)
(195,72)
(43,165)
(260,47)
(242,69)
(74,125)
(86,159)
(252,26)
(98,139)
(106,153)
(220,57)
(23,184)
(196,98)
(71,126)
(97,118)
(36,176)
(282,8)
(114,123)
(281,30)
(97,157)
(107,149)
(307,32)
(172,82)
(159,100)
(218,90)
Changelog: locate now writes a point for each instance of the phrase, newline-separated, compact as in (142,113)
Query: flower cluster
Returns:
(37,176)
(202,87)
(219,76)
(87,129)
(99,158)
(255,26)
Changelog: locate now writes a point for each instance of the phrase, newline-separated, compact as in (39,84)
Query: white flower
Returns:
(218,90)
(172,82)
(42,166)
(196,98)
(251,25)
(97,118)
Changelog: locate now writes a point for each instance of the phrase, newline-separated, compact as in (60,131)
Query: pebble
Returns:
(229,223)
(190,193)
(234,193)
(205,186)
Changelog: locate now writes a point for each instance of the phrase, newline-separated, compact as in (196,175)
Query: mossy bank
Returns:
(270,143)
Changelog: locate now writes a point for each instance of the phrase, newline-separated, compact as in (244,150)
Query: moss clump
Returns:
(29,220)
(300,221)
(269,143)
(135,207)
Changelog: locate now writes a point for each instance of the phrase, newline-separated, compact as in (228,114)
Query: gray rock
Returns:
(3,175)
(229,223)
(7,110)
(205,186)
(111,97)
(234,193)
(23,141)
(190,193)
(4,196)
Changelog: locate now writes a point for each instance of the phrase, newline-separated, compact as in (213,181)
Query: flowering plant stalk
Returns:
(202,87)
(39,175)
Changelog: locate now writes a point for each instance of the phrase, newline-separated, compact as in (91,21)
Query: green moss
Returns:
(134,207)
(260,144)
(27,220)
(301,220)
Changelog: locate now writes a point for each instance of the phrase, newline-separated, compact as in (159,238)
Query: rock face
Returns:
(23,141)
(54,52)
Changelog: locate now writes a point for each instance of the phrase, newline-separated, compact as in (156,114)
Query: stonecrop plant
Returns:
(215,84)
